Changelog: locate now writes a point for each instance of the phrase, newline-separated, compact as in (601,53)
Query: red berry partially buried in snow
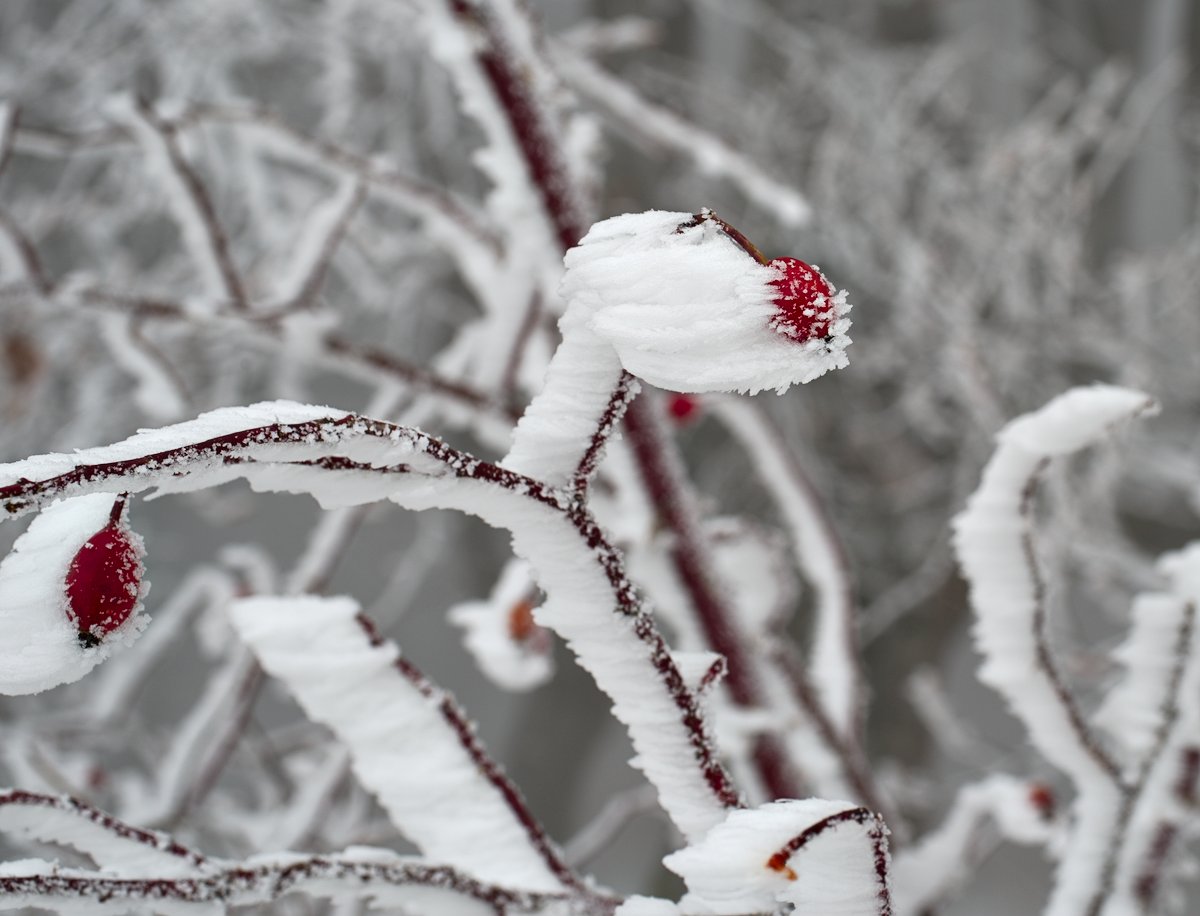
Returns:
(804,308)
(104,580)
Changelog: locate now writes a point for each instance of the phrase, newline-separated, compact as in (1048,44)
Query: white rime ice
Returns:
(402,746)
(744,864)
(39,644)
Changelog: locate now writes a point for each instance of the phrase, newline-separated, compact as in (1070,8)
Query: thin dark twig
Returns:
(626,390)
(1044,657)
(31,261)
(202,204)
(315,278)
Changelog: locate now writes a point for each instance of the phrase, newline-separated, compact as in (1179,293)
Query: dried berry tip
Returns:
(804,304)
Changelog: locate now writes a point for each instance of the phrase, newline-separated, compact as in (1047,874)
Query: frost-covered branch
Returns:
(191,202)
(343,460)
(426,765)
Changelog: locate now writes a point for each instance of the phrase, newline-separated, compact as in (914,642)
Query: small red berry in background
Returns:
(804,306)
(683,408)
(104,579)
(1041,796)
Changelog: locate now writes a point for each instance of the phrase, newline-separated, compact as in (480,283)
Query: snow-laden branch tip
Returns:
(995,546)
(819,856)
(993,539)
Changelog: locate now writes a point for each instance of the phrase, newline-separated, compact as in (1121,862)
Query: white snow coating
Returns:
(1132,712)
(403,748)
(1162,778)
(307,258)
(688,309)
(743,865)
(156,391)
(39,643)
(818,555)
(211,425)
(925,873)
(62,821)
(992,541)
(513,201)
(646,906)
(579,607)
(511,662)
(162,169)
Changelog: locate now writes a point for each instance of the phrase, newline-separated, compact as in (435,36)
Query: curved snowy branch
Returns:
(342,459)
(994,541)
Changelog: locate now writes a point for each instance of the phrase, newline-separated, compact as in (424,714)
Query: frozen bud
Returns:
(690,306)
(69,593)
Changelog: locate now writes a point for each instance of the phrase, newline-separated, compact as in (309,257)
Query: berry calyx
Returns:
(804,307)
(683,408)
(104,580)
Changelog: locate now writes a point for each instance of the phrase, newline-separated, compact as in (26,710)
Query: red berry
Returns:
(804,306)
(1041,796)
(683,408)
(104,581)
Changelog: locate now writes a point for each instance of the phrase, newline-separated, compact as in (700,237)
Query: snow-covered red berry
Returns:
(104,580)
(804,306)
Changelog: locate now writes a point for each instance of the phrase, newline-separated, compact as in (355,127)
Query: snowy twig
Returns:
(382,877)
(191,202)
(711,155)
